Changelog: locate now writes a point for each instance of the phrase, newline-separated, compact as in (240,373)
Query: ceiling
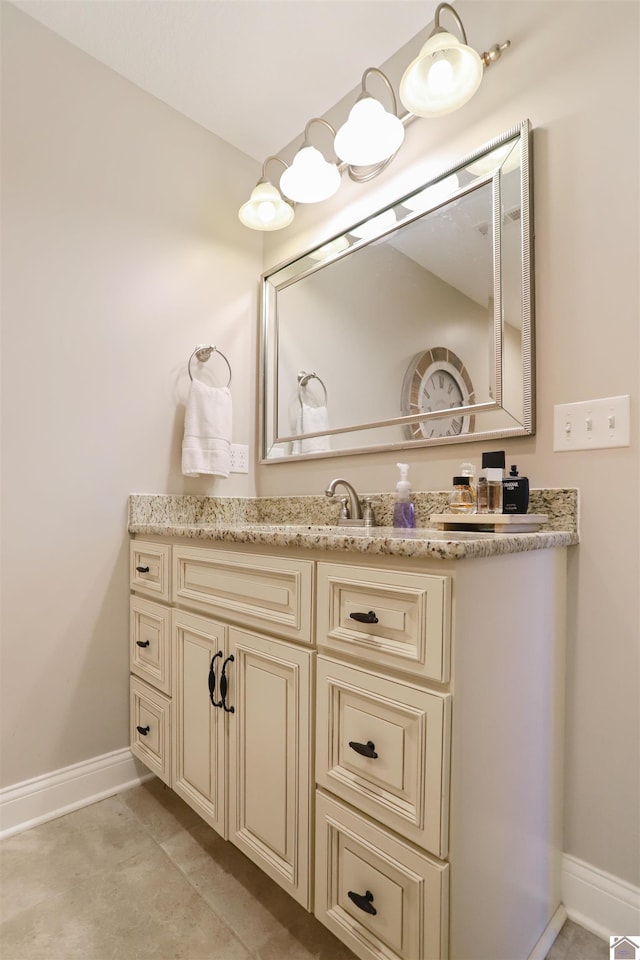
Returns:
(251,71)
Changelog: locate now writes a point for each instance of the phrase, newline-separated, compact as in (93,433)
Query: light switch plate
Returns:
(592,424)
(239,458)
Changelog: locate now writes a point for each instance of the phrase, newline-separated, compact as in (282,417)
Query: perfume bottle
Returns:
(461,497)
(493,471)
(515,492)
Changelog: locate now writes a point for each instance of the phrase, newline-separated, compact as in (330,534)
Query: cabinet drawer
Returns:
(272,593)
(410,614)
(149,647)
(383,746)
(150,720)
(149,568)
(361,868)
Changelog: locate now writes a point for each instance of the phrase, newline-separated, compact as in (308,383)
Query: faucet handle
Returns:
(367,514)
(344,510)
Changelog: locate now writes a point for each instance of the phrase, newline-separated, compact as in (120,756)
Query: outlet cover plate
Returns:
(592,424)
(239,458)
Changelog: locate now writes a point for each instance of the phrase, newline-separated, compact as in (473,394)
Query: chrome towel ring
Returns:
(303,380)
(202,353)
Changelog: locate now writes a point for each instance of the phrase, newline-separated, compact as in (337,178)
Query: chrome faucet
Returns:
(353,514)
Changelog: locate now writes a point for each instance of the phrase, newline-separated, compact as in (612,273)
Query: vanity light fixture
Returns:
(442,78)
(266,209)
(371,135)
(310,178)
(447,72)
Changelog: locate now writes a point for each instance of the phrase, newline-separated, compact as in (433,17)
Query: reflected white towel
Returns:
(206,447)
(312,420)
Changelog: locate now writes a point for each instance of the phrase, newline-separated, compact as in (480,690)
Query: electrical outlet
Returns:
(239,458)
(592,424)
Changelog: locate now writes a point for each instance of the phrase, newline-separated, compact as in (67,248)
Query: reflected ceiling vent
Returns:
(511,216)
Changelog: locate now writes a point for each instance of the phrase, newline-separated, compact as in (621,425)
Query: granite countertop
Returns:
(304,522)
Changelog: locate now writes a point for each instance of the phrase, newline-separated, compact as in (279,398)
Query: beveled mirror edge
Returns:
(521,132)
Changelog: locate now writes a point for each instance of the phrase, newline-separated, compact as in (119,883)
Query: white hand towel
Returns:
(312,420)
(206,447)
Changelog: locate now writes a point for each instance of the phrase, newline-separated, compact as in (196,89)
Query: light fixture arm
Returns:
(489,56)
(306,142)
(364,92)
(263,178)
(436,22)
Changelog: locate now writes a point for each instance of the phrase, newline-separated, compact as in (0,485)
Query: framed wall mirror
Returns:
(411,328)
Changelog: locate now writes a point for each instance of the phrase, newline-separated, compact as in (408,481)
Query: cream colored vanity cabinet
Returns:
(234,736)
(431,715)
(439,754)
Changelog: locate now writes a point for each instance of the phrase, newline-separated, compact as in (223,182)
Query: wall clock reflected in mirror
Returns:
(437,380)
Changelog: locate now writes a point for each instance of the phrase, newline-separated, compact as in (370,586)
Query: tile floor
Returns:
(139,876)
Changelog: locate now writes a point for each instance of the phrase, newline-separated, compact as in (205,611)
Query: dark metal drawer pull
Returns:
(143,569)
(364,617)
(367,749)
(224,685)
(212,680)
(363,902)
(143,730)
(143,643)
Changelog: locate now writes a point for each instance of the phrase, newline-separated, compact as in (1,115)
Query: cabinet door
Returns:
(199,741)
(270,757)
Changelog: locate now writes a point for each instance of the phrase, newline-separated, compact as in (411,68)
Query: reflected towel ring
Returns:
(202,353)
(303,380)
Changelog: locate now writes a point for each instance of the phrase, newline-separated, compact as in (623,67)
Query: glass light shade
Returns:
(507,157)
(370,135)
(433,195)
(265,209)
(330,248)
(310,178)
(444,75)
(370,228)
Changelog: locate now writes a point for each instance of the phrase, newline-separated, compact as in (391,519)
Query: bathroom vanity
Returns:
(375,720)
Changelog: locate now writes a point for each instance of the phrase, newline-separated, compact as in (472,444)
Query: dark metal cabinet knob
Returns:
(367,749)
(363,900)
(364,617)
(142,569)
(143,730)
(143,643)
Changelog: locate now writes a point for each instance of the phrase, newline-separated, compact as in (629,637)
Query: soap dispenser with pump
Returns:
(404,515)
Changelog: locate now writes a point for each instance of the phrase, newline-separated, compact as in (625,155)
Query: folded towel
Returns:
(206,447)
(312,420)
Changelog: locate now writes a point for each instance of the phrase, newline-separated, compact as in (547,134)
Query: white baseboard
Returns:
(44,798)
(598,901)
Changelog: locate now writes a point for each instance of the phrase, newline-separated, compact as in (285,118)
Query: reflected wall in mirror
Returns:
(425,308)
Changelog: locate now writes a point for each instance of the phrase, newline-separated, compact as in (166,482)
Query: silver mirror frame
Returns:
(283,275)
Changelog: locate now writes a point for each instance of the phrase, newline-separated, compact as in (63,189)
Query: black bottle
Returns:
(515,492)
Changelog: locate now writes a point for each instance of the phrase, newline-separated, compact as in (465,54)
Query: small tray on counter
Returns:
(492,522)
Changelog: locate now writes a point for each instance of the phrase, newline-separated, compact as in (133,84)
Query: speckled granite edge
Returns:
(560,505)
(291,522)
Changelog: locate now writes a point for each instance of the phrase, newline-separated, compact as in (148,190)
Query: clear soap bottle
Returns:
(404,515)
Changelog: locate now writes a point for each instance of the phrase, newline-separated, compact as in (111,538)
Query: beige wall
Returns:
(577,81)
(121,252)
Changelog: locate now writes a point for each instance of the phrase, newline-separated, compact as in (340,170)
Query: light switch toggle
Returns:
(592,424)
